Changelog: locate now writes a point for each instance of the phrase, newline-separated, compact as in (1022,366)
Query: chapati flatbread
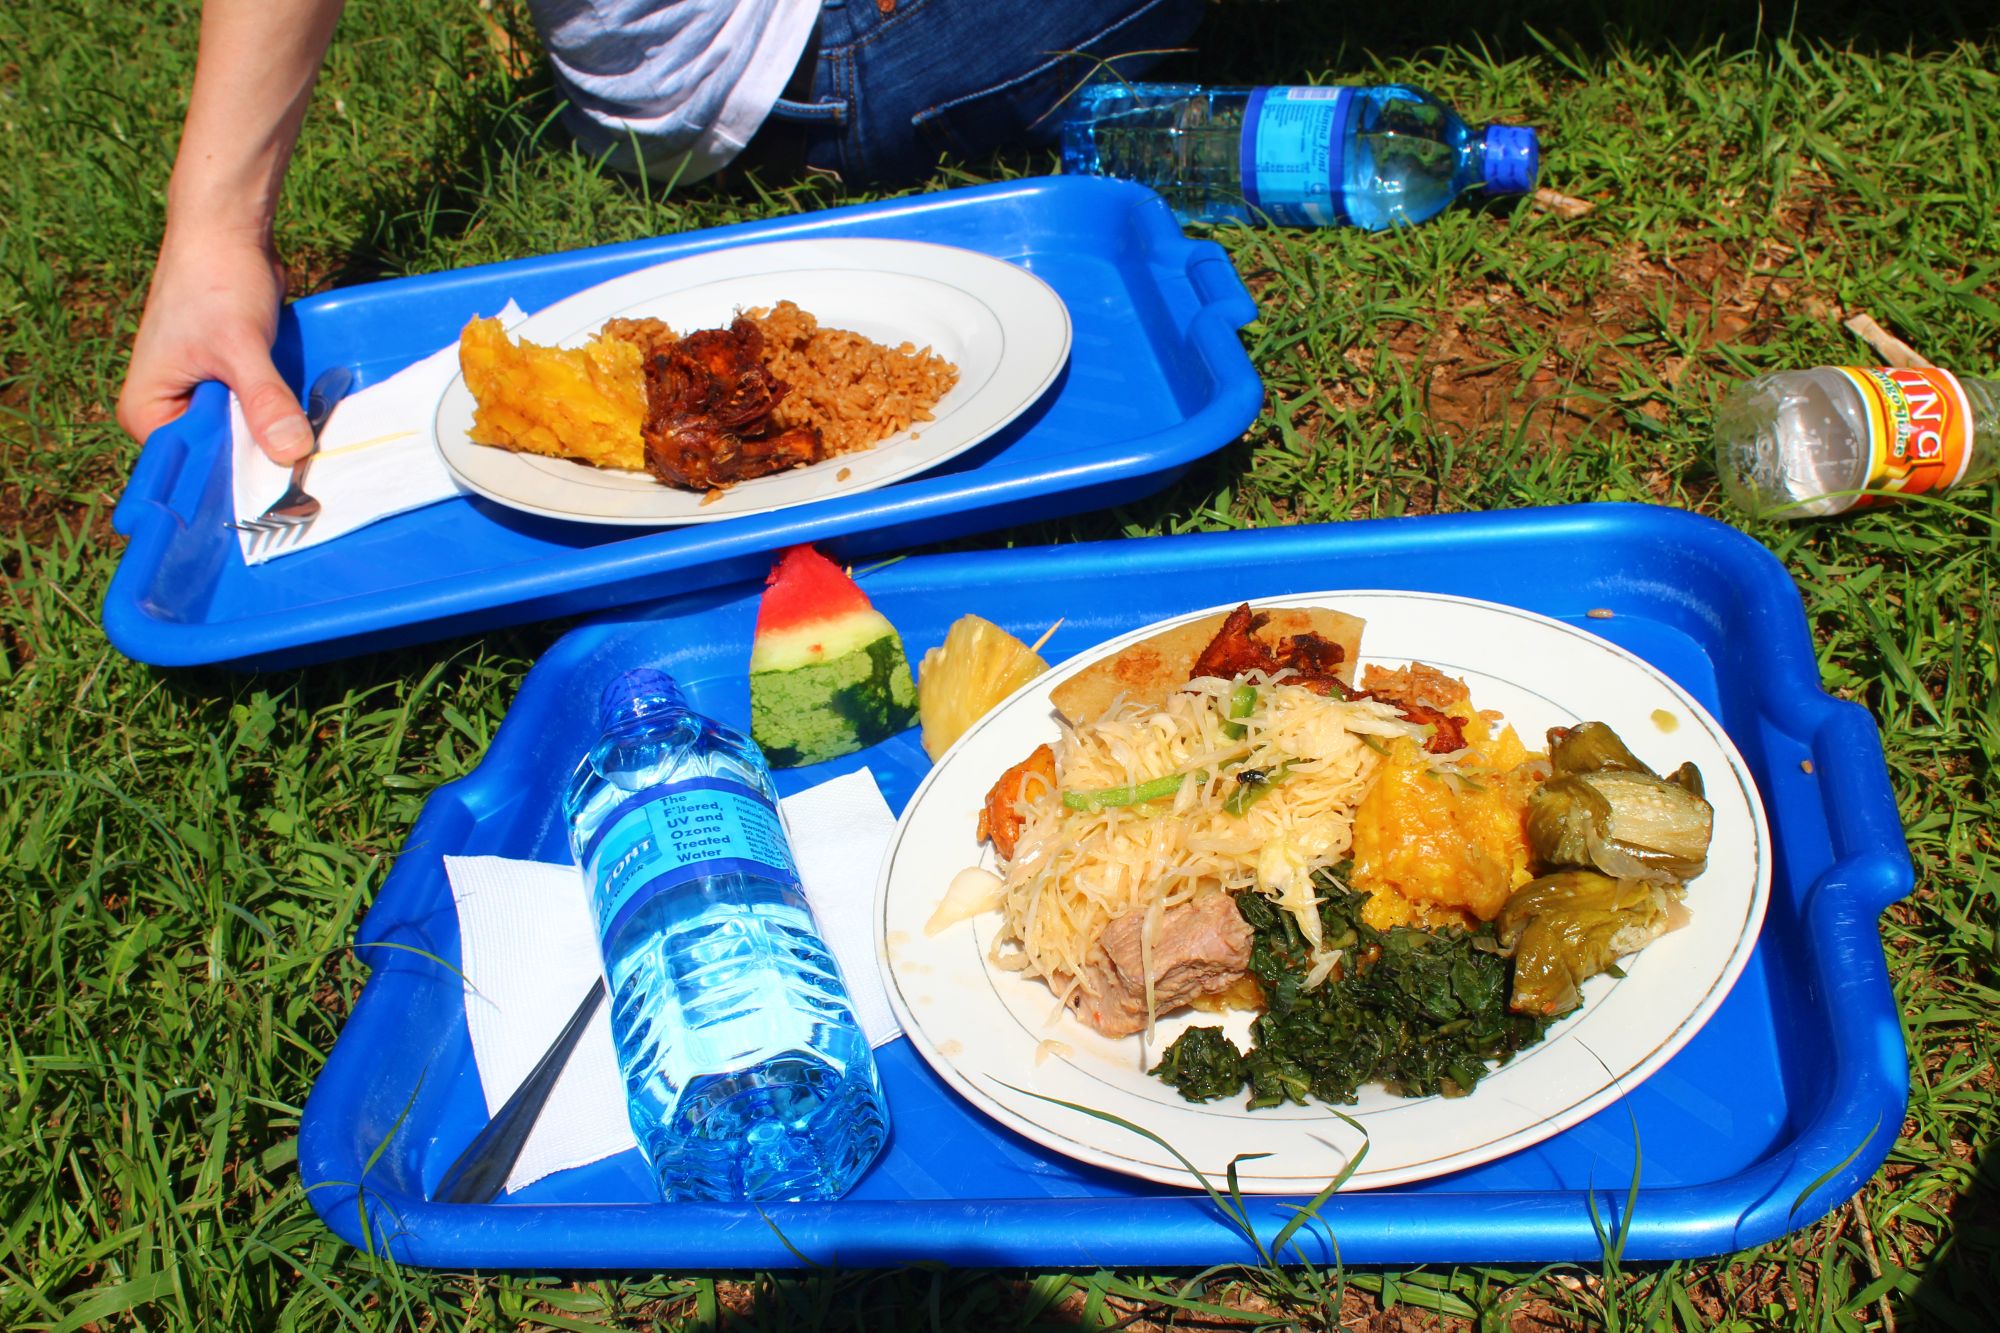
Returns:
(1154,668)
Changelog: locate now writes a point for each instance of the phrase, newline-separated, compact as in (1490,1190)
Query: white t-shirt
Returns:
(693,80)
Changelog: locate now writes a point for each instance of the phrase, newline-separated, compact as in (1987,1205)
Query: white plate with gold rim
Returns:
(1004,328)
(988,1033)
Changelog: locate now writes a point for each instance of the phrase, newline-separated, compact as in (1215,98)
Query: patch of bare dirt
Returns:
(1625,343)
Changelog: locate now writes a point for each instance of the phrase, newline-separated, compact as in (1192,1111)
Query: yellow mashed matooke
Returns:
(1434,848)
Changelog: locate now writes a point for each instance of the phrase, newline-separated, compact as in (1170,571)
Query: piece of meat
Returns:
(740,392)
(1422,693)
(1447,732)
(781,451)
(710,405)
(1203,948)
(1316,660)
(1236,649)
(1000,818)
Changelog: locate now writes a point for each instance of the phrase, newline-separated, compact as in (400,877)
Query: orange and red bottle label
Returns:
(1919,430)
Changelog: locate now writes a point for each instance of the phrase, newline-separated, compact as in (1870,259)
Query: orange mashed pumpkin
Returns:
(586,403)
(1432,848)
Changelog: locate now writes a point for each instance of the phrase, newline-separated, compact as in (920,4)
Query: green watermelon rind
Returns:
(833,705)
(817,641)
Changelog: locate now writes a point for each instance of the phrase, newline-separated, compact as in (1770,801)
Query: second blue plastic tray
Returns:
(1156,379)
(1778,1109)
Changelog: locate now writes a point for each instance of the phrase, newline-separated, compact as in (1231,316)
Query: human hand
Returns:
(211,314)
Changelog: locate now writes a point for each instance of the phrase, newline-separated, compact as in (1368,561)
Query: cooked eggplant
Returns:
(1591,747)
(1561,819)
(1658,830)
(1625,824)
(1689,777)
(1567,927)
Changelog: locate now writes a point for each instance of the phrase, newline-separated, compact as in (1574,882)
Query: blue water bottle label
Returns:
(1293,147)
(677,832)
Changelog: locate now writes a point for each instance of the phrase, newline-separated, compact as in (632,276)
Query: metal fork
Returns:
(288,517)
(480,1172)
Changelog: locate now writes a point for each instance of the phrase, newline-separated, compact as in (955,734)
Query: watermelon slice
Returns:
(827,671)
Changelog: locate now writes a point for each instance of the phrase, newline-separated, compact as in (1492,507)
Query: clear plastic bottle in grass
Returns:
(1807,443)
(1374,157)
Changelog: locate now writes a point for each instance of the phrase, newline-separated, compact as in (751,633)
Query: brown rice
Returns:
(857,392)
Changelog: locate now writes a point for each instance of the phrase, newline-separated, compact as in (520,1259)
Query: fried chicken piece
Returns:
(710,402)
(738,391)
(1000,819)
(1236,649)
(1423,693)
(1419,692)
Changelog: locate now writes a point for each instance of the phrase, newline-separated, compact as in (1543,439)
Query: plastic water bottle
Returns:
(1300,157)
(746,1074)
(1804,443)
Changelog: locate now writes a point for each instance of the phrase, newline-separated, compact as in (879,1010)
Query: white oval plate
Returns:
(1004,328)
(981,1029)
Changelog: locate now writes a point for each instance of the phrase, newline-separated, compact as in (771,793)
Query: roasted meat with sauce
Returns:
(1236,649)
(710,405)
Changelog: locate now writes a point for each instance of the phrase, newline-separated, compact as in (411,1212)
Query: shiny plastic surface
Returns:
(1777,1111)
(1156,379)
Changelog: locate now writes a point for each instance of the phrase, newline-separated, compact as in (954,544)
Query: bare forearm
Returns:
(212,309)
(253,78)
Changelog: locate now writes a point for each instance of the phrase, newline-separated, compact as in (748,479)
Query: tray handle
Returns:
(161,476)
(1216,283)
(153,478)
(1872,857)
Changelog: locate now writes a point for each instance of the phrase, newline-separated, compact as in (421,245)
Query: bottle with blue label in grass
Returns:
(1373,157)
(746,1073)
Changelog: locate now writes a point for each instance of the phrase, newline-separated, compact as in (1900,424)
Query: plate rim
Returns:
(728,260)
(1613,1089)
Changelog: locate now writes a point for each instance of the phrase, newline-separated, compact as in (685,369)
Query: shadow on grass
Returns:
(1960,1290)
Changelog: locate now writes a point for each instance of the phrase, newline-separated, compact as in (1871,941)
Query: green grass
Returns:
(185,855)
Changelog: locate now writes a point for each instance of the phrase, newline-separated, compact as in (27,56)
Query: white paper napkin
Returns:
(377,456)
(529,952)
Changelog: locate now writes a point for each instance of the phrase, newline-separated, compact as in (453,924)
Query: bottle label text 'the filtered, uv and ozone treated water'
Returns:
(678,832)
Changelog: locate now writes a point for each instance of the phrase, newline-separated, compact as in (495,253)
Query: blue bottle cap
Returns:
(638,693)
(1513,156)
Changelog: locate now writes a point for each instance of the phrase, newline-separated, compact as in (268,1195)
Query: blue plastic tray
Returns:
(1156,379)
(1800,1074)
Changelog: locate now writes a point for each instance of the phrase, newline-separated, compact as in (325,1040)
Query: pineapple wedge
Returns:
(976,666)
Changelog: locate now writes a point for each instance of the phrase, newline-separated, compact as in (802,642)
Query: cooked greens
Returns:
(1203,1064)
(1420,1011)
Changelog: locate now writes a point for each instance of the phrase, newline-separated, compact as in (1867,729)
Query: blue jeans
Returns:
(897,83)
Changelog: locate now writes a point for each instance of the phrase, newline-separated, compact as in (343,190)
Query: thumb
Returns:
(272,413)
